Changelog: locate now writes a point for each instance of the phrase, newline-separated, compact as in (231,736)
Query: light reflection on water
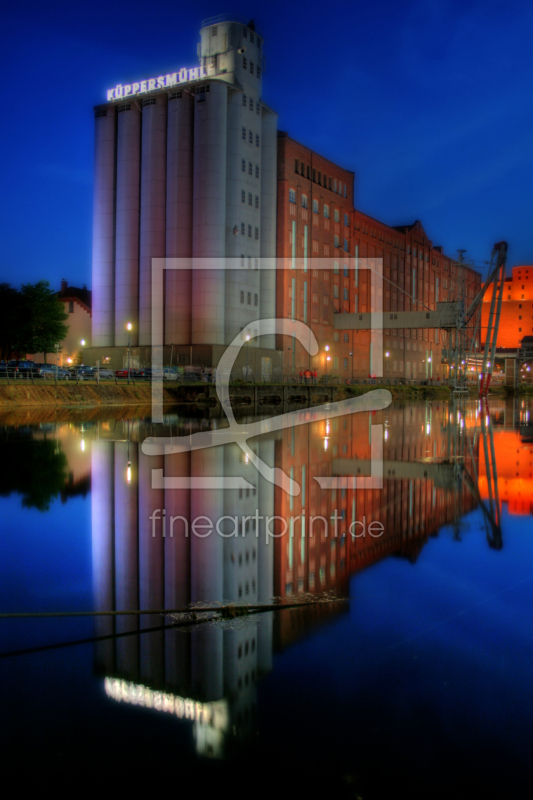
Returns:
(448,472)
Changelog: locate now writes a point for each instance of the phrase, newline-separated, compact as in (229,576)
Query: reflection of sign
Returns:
(215,714)
(161,82)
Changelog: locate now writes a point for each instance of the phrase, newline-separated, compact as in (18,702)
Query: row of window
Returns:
(251,69)
(250,136)
(243,231)
(250,168)
(252,37)
(250,198)
(256,266)
(415,252)
(318,177)
(304,202)
(249,298)
(250,104)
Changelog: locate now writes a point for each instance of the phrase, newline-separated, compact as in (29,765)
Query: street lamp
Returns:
(247,340)
(327,359)
(129,326)
(387,354)
(351,356)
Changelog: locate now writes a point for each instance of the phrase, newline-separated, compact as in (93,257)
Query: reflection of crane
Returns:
(491,511)
(497,276)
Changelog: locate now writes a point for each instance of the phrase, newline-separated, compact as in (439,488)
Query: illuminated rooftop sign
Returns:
(161,82)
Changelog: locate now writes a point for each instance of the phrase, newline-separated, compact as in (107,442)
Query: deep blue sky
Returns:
(429,103)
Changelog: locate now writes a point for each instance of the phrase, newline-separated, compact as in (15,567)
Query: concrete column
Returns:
(126,556)
(127,223)
(103,266)
(209,213)
(153,206)
(269,149)
(178,283)
(103,550)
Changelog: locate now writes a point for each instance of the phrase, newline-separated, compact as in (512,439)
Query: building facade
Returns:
(516,320)
(185,168)
(317,219)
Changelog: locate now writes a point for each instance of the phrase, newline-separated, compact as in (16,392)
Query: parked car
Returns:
(22,369)
(51,372)
(105,373)
(123,373)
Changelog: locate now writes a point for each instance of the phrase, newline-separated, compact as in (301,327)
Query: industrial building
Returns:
(185,167)
(191,165)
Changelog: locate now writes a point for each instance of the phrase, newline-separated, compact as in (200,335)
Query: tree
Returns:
(42,319)
(10,301)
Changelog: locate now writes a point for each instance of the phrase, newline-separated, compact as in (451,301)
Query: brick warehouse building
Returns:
(317,219)
(516,319)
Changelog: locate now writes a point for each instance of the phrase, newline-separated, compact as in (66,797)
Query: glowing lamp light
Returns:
(386,434)
(328,358)
(82,445)
(387,354)
(129,326)
(82,342)
(326,440)
(69,361)
(246,458)
(247,337)
(326,348)
(128,473)
(429,359)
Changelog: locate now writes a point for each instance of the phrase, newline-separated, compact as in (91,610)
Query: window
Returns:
(337,215)
(244,134)
(243,165)
(242,260)
(71,306)
(326,210)
(244,100)
(304,201)
(344,187)
(315,206)
(244,63)
(257,233)
(251,137)
(243,196)
(257,140)
(345,271)
(258,75)
(256,170)
(251,67)
(257,105)
(250,168)
(335,185)
(335,290)
(243,230)
(251,104)
(346,220)
(345,245)
(249,198)
(251,38)
(346,337)
(335,267)
(335,366)
(256,299)
(257,201)
(335,241)
(214,30)
(249,298)
(335,336)
(345,363)
(242,296)
(250,231)
(292,196)
(345,293)
(296,166)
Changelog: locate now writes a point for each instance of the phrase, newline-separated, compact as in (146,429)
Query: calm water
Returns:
(416,681)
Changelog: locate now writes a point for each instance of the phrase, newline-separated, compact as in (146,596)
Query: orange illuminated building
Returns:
(317,220)
(516,319)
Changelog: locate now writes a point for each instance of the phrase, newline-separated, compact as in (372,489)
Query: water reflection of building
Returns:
(421,492)
(515,471)
(208,675)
